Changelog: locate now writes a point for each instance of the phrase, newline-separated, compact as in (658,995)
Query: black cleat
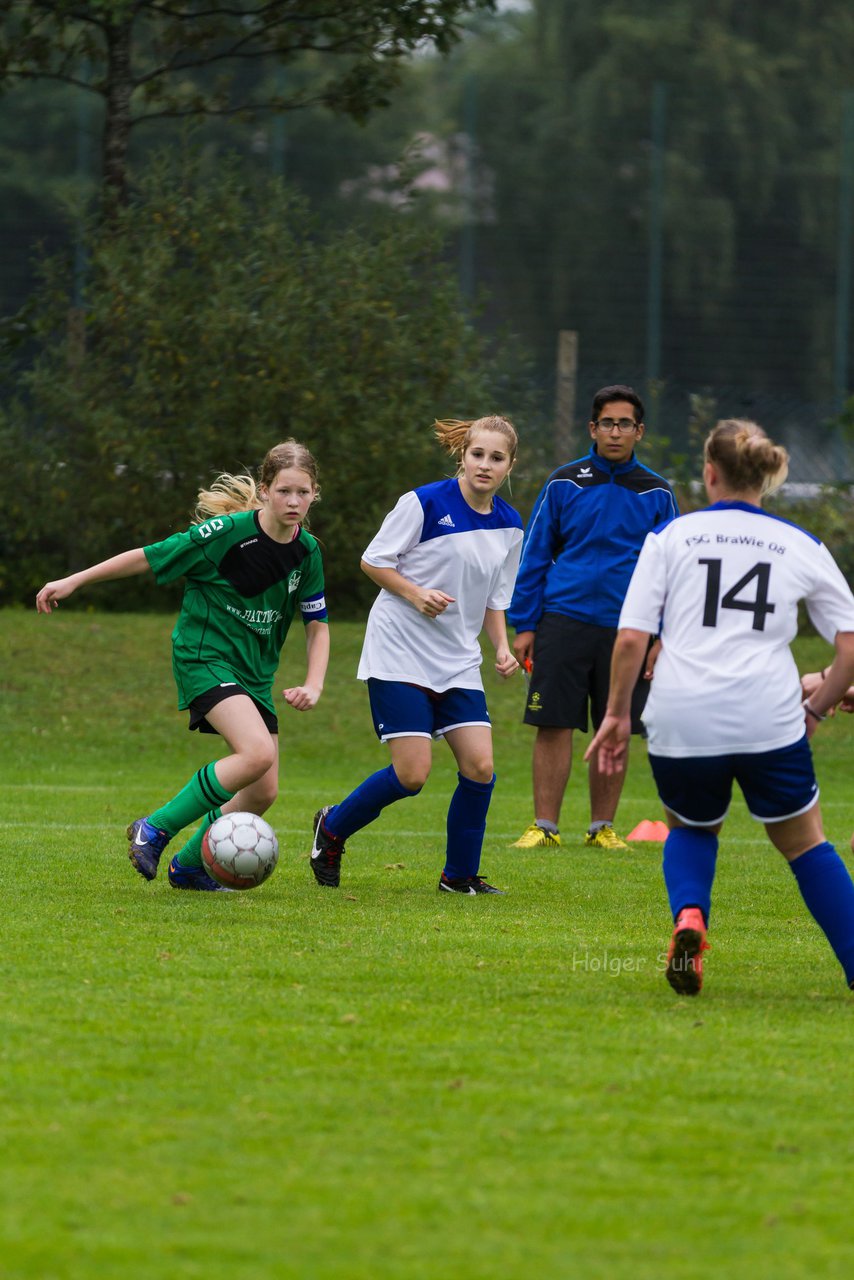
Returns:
(146,843)
(326,853)
(469,885)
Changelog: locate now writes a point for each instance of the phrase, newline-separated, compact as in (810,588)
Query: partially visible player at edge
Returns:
(249,565)
(445,559)
(724,584)
(810,682)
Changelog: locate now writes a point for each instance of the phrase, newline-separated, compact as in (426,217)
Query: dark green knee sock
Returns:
(191,855)
(202,793)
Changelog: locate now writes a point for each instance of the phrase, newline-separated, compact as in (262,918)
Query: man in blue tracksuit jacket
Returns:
(581,545)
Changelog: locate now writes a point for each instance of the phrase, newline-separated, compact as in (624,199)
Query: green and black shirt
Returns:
(243,590)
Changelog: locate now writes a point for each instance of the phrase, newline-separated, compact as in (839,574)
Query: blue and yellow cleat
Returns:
(146,843)
(193,878)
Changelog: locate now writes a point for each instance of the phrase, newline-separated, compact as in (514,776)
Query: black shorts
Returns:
(572,671)
(200,706)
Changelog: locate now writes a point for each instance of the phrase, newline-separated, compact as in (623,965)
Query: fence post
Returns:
(655,230)
(843,253)
(468,189)
(76,319)
(567,387)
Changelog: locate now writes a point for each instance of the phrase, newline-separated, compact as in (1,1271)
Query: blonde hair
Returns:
(746,456)
(455,435)
(232,493)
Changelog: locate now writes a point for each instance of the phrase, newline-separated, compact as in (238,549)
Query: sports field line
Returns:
(421,834)
(98,787)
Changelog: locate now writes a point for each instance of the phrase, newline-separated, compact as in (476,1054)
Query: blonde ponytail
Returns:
(227,495)
(456,434)
(747,457)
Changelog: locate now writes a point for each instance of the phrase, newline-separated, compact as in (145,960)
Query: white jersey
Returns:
(724,585)
(436,540)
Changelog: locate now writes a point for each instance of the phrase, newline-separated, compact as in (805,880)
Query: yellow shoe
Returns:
(605,838)
(536,838)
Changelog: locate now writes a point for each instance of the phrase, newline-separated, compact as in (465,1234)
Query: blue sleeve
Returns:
(542,538)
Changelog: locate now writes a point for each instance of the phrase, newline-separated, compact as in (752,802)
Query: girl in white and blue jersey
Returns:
(445,560)
(723,585)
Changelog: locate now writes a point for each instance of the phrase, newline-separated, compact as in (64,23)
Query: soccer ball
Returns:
(240,850)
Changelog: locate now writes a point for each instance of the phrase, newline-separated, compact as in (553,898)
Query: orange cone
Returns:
(651,832)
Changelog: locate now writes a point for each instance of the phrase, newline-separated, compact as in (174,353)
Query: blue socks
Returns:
(828,891)
(366,803)
(467,827)
(690,854)
(823,879)
(466,816)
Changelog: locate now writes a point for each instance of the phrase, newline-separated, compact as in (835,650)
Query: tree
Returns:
(219,320)
(750,179)
(148,59)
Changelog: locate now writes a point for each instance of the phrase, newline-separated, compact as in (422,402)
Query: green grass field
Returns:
(376,1082)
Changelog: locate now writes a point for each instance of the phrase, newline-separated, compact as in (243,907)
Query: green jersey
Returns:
(243,589)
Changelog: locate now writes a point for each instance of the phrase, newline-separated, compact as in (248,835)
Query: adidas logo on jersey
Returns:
(448,522)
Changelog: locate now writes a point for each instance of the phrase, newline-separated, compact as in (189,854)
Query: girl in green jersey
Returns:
(249,565)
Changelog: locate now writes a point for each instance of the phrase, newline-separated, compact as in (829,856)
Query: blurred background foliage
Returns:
(219,319)
(670,181)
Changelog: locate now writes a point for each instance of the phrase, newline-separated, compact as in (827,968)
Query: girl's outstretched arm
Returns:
(124,565)
(305,696)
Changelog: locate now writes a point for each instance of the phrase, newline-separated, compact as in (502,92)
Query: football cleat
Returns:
(326,852)
(469,885)
(535,837)
(685,956)
(605,838)
(193,878)
(146,843)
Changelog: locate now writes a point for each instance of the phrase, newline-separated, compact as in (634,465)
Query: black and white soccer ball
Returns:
(240,850)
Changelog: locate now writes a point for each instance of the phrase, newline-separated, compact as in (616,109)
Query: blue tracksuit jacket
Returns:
(583,539)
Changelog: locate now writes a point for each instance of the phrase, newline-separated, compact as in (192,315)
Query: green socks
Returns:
(201,794)
(191,855)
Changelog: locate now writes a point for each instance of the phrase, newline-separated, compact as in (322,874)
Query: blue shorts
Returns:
(775,784)
(408,711)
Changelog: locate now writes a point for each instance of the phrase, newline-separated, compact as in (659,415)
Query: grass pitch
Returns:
(378,1082)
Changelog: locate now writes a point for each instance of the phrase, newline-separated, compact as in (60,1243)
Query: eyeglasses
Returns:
(623,425)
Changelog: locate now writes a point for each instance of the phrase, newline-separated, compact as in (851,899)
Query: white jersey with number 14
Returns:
(723,586)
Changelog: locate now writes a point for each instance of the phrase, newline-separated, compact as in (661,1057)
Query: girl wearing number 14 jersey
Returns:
(723,587)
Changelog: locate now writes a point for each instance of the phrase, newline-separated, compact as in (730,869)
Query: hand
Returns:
(505,664)
(523,647)
(651,659)
(303,697)
(430,602)
(810,682)
(611,742)
(847,703)
(52,592)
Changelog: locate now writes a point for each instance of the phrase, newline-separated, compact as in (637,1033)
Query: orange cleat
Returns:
(685,957)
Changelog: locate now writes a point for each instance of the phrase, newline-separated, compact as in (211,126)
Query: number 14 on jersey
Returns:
(732,599)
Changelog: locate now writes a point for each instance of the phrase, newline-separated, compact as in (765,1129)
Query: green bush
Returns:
(219,319)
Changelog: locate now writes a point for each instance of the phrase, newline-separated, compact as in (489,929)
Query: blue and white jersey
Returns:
(436,540)
(724,584)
